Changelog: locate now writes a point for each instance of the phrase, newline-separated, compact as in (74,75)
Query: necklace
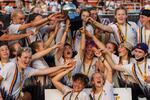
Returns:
(143,74)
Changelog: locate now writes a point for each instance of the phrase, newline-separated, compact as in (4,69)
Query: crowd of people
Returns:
(69,56)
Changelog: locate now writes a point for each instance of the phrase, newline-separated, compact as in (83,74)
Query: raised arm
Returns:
(113,65)
(82,43)
(45,52)
(99,43)
(100,26)
(42,21)
(108,55)
(51,37)
(63,39)
(58,77)
(108,71)
(11,37)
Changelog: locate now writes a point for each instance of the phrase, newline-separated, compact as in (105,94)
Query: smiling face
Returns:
(85,15)
(144,19)
(19,18)
(138,53)
(4,52)
(110,47)
(25,59)
(121,16)
(89,53)
(122,50)
(78,85)
(97,80)
(93,14)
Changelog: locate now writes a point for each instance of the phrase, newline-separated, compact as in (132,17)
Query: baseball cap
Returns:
(142,46)
(145,11)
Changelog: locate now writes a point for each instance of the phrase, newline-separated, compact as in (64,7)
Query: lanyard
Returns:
(99,97)
(122,37)
(143,74)
(21,83)
(147,42)
(69,75)
(76,98)
(86,73)
(2,65)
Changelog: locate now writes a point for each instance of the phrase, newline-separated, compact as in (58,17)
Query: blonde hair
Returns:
(15,12)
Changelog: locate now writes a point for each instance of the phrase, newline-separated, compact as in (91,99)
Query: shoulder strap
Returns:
(135,74)
(66,95)
(13,80)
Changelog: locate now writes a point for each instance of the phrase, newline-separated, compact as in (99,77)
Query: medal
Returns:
(144,76)
(21,94)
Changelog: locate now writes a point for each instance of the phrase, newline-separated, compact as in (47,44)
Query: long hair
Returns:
(120,8)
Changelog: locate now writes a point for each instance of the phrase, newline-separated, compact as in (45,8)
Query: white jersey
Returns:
(69,95)
(139,73)
(41,64)
(144,37)
(107,93)
(126,77)
(77,69)
(14,28)
(127,32)
(11,78)
(89,69)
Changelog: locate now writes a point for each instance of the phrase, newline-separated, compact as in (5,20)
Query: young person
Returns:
(14,74)
(144,31)
(138,70)
(66,53)
(77,91)
(87,55)
(102,84)
(123,30)
(124,50)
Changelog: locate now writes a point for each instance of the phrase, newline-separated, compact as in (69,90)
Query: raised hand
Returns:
(90,19)
(59,45)
(82,30)
(98,52)
(88,34)
(100,67)
(67,25)
(54,16)
(147,79)
(70,64)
